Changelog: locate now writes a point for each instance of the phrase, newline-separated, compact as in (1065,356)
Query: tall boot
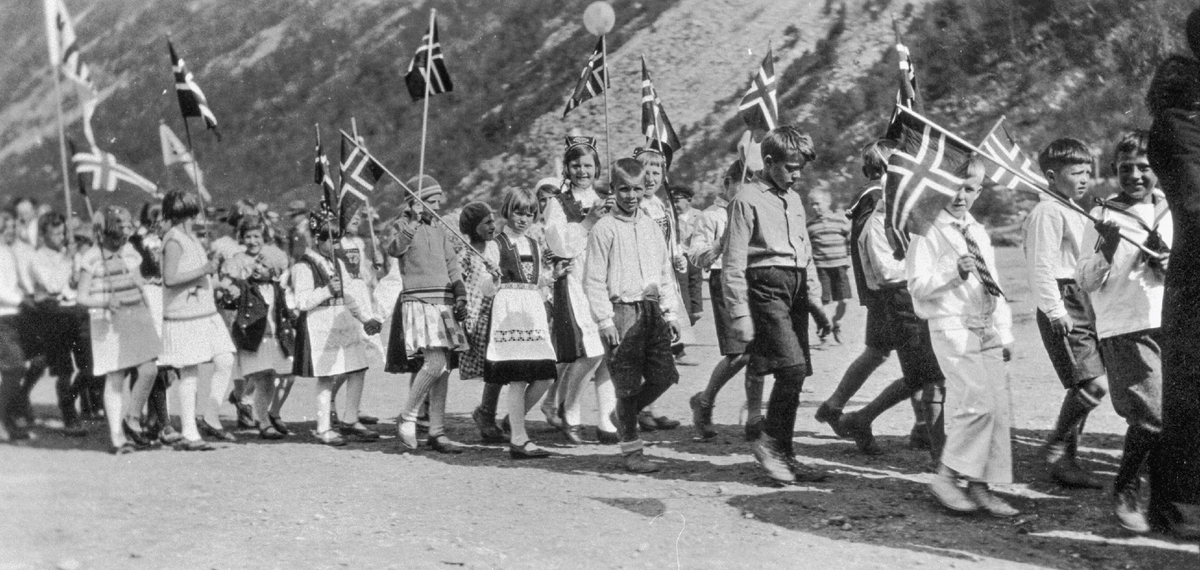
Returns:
(935,422)
(1064,442)
(1126,496)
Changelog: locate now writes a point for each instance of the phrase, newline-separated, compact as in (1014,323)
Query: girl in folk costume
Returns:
(124,336)
(519,351)
(353,254)
(193,331)
(655,164)
(576,339)
(262,327)
(425,335)
(480,273)
(330,339)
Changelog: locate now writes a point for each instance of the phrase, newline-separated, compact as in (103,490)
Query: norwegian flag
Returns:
(359,173)
(760,107)
(192,102)
(1003,149)
(593,80)
(439,78)
(922,177)
(908,95)
(322,177)
(660,135)
(64,49)
(107,172)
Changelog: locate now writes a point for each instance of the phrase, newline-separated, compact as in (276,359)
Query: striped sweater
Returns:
(830,237)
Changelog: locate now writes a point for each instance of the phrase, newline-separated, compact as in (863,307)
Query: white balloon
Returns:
(599,18)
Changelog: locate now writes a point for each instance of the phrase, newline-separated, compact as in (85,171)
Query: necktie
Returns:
(985,275)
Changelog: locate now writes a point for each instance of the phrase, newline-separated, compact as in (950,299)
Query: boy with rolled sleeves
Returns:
(1053,243)
(768,277)
(951,274)
(1126,288)
(629,282)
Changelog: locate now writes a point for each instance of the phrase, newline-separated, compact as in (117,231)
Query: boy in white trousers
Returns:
(952,278)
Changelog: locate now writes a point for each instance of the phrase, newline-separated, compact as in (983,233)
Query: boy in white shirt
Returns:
(954,286)
(1053,243)
(1126,287)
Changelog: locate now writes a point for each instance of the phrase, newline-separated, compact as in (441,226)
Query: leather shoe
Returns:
(1128,512)
(827,414)
(270,432)
(527,451)
(947,492)
(646,421)
(245,416)
(134,433)
(124,448)
(443,444)
(804,473)
(210,431)
(331,438)
(772,460)
(665,423)
(277,423)
(193,445)
(990,503)
(367,420)
(1067,472)
(488,432)
(359,432)
(853,424)
(636,462)
(702,417)
(607,437)
(573,433)
(168,436)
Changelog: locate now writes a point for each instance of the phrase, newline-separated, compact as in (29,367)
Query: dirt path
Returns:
(295,504)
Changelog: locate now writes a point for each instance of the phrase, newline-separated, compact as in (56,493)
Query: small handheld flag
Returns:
(908,95)
(760,107)
(359,173)
(322,177)
(660,135)
(923,176)
(106,172)
(1001,146)
(592,81)
(64,49)
(174,152)
(192,102)
(439,78)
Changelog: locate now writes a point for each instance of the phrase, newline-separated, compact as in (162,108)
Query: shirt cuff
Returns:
(737,311)
(604,323)
(1059,311)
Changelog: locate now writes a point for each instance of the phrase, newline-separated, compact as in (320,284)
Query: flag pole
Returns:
(1061,199)
(425,113)
(417,197)
(187,132)
(62,138)
(375,257)
(607,137)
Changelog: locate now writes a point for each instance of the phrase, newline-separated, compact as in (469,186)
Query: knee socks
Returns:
(781,409)
(324,403)
(354,389)
(1076,406)
(218,387)
(188,379)
(1139,442)
(437,405)
(422,383)
(114,403)
(263,389)
(517,411)
(147,375)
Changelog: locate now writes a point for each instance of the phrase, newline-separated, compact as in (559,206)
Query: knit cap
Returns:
(429,188)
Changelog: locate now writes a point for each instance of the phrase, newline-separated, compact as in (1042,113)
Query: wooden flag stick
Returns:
(425,113)
(418,199)
(1061,199)
(62,140)
(607,136)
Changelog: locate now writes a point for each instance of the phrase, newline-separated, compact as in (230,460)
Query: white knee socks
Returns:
(114,404)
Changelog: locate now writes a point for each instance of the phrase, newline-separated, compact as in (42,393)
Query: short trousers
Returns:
(892,324)
(778,299)
(644,354)
(1135,377)
(835,284)
(1076,358)
(727,342)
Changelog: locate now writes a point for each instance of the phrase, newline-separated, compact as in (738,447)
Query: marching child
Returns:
(518,350)
(570,216)
(1066,321)
(478,225)
(1126,288)
(262,328)
(426,337)
(630,282)
(951,273)
(329,343)
(124,337)
(707,247)
(768,276)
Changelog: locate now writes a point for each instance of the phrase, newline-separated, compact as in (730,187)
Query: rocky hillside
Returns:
(274,68)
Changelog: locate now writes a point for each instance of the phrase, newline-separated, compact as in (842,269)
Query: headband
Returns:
(580,140)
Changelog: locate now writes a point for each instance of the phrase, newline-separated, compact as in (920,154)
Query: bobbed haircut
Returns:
(107,221)
(578,151)
(1132,143)
(627,169)
(875,155)
(1064,152)
(249,224)
(50,221)
(787,141)
(652,158)
(520,200)
(737,171)
(179,205)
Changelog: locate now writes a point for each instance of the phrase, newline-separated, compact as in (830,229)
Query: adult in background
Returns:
(1174,153)
(829,233)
